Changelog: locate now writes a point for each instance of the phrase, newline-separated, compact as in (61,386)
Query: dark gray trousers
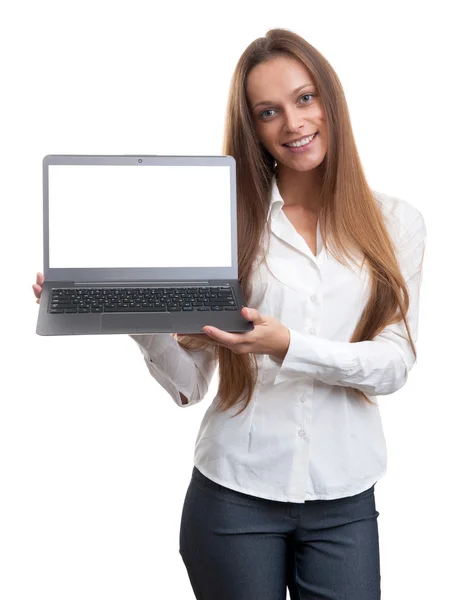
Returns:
(240,547)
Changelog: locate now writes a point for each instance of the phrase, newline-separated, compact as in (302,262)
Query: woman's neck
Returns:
(300,189)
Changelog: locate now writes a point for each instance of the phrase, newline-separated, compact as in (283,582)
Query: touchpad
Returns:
(136,323)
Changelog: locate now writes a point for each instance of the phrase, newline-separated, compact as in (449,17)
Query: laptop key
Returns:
(219,303)
(56,310)
(135,309)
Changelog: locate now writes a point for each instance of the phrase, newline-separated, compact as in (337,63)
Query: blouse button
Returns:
(301,433)
(312,298)
(312,330)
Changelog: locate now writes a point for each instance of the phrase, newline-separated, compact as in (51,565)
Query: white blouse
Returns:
(304,435)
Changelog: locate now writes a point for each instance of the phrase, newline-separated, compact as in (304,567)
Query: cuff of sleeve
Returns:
(313,356)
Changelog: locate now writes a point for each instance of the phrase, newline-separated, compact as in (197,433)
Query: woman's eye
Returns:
(265,111)
(271,109)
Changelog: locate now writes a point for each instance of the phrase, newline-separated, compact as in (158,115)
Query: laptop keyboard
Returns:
(141,299)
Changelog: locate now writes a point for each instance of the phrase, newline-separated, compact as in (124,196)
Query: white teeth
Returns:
(302,142)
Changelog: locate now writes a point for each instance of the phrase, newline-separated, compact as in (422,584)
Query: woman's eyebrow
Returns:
(266,102)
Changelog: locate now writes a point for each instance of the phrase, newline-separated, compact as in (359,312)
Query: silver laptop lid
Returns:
(139,218)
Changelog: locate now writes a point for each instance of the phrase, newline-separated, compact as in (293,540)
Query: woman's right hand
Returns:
(37,287)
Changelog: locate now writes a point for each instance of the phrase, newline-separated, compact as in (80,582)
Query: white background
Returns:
(95,458)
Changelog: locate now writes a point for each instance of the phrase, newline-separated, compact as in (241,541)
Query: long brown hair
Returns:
(348,214)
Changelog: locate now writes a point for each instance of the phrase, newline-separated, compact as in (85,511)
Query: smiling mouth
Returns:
(314,137)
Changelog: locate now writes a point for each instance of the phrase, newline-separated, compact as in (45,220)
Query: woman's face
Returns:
(287,113)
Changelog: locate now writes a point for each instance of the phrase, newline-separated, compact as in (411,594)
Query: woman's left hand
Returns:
(269,336)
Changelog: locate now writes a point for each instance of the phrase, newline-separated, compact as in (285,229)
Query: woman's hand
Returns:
(37,287)
(269,336)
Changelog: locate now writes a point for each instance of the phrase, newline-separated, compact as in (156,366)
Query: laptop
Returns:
(139,244)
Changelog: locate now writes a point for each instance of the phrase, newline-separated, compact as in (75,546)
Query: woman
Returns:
(282,489)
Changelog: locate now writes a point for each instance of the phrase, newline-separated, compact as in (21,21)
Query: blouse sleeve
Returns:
(376,367)
(177,369)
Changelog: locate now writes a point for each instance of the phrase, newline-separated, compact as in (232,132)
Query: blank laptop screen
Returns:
(126,216)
